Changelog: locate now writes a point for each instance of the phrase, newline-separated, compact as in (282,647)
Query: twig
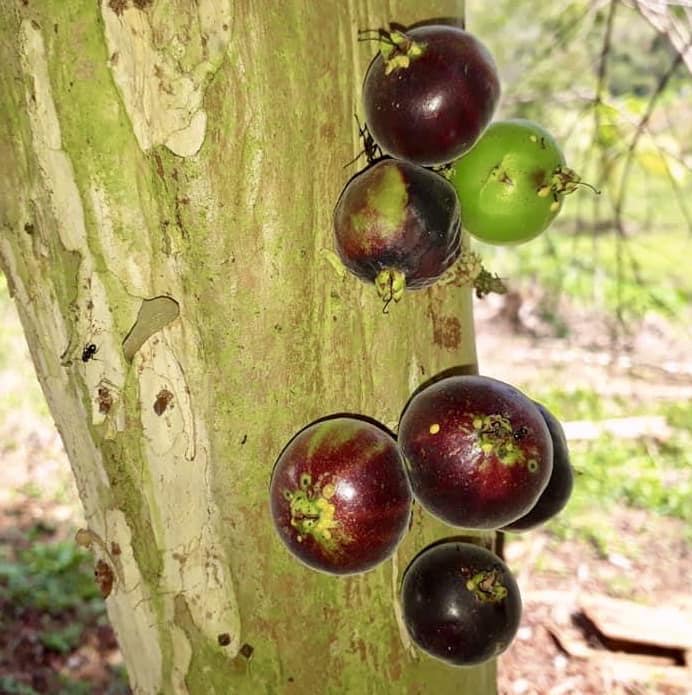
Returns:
(641,127)
(601,86)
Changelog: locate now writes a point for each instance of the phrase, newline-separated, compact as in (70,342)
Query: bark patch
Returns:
(165,60)
(104,578)
(163,400)
(105,400)
(118,6)
(153,315)
(446,331)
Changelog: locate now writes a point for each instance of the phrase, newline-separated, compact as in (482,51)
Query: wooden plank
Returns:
(574,644)
(629,671)
(624,667)
(661,626)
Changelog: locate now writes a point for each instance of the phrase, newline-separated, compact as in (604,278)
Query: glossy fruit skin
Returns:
(512,183)
(398,218)
(460,603)
(433,109)
(477,451)
(559,489)
(339,497)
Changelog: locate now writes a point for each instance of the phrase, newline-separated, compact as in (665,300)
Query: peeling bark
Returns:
(170,173)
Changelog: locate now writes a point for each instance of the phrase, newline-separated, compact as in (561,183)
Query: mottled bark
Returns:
(169,174)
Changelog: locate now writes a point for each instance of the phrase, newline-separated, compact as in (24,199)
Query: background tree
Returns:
(170,170)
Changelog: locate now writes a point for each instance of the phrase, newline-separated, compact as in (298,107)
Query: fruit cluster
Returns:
(474,452)
(429,96)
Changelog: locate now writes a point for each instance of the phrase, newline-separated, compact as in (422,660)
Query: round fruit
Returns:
(559,489)
(340,500)
(460,603)
(397,225)
(512,183)
(477,451)
(429,93)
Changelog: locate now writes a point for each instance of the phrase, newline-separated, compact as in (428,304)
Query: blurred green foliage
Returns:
(11,686)
(642,473)
(51,577)
(54,583)
(621,251)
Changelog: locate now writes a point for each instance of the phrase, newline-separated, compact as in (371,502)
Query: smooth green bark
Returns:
(195,151)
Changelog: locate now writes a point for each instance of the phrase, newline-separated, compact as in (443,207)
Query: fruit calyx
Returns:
(469,270)
(312,514)
(390,285)
(487,282)
(562,182)
(398,50)
(496,436)
(487,586)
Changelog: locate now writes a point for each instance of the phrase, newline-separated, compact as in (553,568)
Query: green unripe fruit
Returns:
(511,184)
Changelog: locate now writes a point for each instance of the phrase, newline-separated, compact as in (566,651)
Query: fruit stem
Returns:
(597,191)
(469,270)
(390,285)
(566,180)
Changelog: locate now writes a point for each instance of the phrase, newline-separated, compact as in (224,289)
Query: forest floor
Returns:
(557,650)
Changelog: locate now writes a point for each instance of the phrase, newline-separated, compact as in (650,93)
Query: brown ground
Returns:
(654,565)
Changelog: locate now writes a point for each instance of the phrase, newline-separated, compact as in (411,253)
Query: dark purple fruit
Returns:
(477,450)
(429,94)
(460,603)
(397,225)
(340,499)
(559,489)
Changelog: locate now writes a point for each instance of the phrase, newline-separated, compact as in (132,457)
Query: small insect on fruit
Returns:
(89,352)
(477,450)
(397,225)
(339,497)
(460,603)
(511,185)
(429,93)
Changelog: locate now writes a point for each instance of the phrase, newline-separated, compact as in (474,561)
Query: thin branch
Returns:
(619,202)
(641,128)
(657,14)
(605,52)
(601,87)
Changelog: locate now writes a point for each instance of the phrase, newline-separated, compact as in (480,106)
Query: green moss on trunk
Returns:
(235,226)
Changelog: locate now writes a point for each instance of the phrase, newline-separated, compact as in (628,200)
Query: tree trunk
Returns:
(169,174)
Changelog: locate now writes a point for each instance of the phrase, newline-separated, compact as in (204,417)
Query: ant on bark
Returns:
(371,149)
(89,352)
